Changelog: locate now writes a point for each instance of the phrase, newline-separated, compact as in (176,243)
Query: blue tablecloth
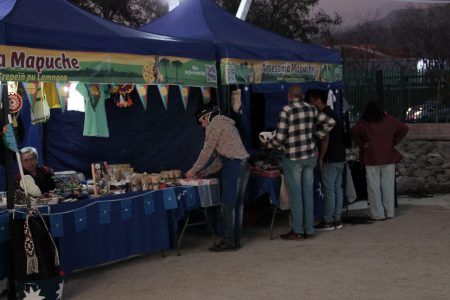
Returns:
(130,229)
(4,249)
(194,197)
(258,186)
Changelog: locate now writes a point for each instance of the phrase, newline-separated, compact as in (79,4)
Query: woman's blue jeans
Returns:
(299,176)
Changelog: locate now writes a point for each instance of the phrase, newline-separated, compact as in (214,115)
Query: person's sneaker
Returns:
(223,247)
(292,236)
(338,224)
(309,236)
(325,226)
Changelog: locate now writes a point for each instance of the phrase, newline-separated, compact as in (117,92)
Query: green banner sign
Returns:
(30,64)
(237,71)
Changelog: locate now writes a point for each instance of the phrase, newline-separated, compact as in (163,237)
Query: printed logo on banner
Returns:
(211,73)
(230,74)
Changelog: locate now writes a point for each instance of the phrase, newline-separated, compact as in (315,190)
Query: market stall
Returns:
(174,71)
(129,82)
(261,64)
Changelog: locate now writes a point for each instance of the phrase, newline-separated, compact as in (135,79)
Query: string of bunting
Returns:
(56,95)
(171,200)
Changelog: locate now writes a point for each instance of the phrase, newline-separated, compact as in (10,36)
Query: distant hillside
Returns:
(378,32)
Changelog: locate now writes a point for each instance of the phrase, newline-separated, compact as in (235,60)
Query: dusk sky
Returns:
(351,8)
(353,11)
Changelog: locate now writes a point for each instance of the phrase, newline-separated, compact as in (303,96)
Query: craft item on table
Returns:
(101,178)
(31,187)
(208,190)
(172,176)
(49,199)
(20,198)
(118,171)
(155,179)
(164,177)
(122,95)
(117,187)
(265,136)
(117,174)
(145,181)
(198,182)
(136,183)
(67,181)
(258,171)
(177,176)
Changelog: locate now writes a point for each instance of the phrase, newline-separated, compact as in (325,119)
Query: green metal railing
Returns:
(409,97)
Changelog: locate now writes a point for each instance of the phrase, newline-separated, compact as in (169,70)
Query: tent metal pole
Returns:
(243,9)
(8,153)
(11,287)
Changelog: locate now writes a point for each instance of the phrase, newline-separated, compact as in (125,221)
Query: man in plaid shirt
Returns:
(298,129)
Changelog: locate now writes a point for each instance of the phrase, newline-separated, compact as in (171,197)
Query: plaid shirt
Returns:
(299,126)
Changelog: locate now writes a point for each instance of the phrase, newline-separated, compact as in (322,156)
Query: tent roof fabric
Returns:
(58,24)
(234,38)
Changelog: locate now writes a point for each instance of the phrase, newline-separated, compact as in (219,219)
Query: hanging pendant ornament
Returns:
(125,91)
(15,105)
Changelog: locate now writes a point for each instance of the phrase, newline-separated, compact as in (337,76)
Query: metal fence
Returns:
(409,97)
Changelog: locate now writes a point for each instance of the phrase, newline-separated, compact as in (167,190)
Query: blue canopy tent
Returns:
(260,60)
(56,41)
(58,24)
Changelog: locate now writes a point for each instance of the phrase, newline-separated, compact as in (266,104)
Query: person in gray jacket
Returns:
(223,142)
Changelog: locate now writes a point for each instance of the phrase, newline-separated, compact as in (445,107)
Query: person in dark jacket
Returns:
(331,163)
(376,134)
(42,175)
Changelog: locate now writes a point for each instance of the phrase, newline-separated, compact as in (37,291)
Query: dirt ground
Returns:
(407,257)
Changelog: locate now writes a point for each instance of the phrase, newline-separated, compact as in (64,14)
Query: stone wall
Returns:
(425,168)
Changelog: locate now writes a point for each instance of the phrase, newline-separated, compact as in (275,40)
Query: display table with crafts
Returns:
(98,230)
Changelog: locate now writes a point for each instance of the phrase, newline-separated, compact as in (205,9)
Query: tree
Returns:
(425,33)
(291,18)
(132,13)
